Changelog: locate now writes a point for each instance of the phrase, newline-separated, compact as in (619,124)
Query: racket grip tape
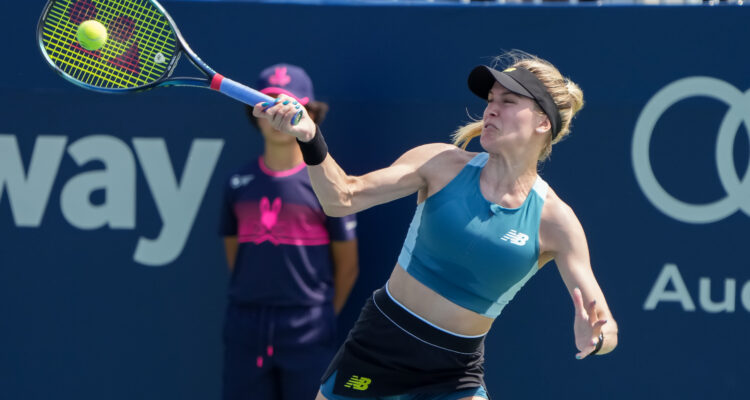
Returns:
(244,94)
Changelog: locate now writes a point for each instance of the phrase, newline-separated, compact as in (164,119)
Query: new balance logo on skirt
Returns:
(357,383)
(516,238)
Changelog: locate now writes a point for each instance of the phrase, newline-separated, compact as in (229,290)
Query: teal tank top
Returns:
(474,253)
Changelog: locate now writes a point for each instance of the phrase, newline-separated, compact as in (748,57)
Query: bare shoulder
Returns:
(559,224)
(433,160)
(441,166)
(556,211)
(437,152)
(436,164)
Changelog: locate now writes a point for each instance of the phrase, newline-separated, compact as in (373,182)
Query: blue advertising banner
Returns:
(113,276)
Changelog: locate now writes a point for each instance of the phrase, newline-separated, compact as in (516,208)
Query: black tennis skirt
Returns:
(395,352)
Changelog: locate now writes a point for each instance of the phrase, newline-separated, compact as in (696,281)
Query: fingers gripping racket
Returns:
(140,51)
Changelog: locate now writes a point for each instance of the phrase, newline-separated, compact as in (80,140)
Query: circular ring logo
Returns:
(737,189)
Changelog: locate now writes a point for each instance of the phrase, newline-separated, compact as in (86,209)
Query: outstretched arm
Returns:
(565,240)
(341,194)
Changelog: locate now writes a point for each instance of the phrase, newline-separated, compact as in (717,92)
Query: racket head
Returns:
(141,51)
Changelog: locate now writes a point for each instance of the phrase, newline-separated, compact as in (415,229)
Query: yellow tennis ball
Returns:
(92,35)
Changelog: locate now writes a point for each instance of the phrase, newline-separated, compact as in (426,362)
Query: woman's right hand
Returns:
(280,114)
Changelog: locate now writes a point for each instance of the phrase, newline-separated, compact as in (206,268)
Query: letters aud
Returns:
(28,188)
(736,186)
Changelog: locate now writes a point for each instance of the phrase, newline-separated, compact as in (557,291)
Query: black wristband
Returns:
(314,151)
(598,344)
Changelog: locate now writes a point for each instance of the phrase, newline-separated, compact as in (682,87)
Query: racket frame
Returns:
(211,79)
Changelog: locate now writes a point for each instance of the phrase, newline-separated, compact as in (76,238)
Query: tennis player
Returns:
(484,224)
(292,266)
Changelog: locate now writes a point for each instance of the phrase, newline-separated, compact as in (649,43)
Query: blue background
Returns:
(79,319)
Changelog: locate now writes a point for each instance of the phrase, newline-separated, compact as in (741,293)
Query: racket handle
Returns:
(244,94)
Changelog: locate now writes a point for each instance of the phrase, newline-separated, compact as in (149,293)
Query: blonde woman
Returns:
(485,223)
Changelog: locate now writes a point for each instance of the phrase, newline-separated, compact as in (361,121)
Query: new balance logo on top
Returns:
(240,180)
(516,238)
(358,383)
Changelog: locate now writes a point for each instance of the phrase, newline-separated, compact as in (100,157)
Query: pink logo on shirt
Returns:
(280,77)
(269,214)
(267,220)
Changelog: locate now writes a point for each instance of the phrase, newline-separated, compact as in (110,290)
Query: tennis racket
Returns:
(141,52)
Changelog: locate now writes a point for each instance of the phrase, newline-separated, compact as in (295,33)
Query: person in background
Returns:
(292,267)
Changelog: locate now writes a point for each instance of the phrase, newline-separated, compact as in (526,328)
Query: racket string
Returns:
(141,59)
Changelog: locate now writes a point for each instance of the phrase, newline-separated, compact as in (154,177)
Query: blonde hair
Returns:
(567,96)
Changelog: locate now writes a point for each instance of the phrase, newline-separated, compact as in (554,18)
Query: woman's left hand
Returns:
(587,325)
